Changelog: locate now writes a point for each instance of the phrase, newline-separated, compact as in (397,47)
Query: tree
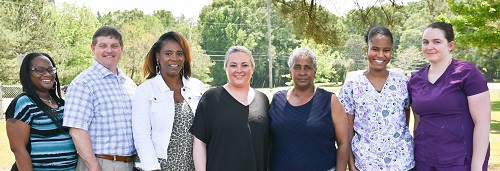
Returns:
(139,35)
(477,23)
(74,29)
(166,17)
(410,37)
(26,26)
(354,51)
(409,59)
(326,59)
(200,64)
(312,21)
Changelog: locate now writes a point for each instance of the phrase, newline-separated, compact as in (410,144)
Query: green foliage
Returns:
(409,59)
(312,21)
(118,18)
(139,35)
(166,17)
(354,53)
(26,26)
(74,29)
(65,31)
(200,64)
(326,59)
(226,23)
(410,37)
(387,15)
(477,25)
(477,21)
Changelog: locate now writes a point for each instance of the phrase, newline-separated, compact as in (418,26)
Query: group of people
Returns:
(172,122)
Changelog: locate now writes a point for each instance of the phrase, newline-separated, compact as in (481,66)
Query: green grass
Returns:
(494,163)
(7,158)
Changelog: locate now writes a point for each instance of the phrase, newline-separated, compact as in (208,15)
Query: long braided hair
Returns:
(29,89)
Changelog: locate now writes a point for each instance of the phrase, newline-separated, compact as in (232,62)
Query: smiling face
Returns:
(171,58)
(42,82)
(108,52)
(379,52)
(435,46)
(303,72)
(239,69)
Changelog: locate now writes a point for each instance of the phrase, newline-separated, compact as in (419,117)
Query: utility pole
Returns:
(269,49)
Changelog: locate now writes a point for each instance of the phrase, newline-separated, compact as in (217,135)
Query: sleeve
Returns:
(473,81)
(142,130)
(21,109)
(405,91)
(78,109)
(346,97)
(199,129)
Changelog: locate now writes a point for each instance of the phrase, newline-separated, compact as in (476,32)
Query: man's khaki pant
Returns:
(106,165)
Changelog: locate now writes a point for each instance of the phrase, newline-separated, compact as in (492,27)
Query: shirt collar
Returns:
(103,71)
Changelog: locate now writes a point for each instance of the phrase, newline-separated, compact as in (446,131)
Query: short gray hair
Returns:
(301,52)
(234,49)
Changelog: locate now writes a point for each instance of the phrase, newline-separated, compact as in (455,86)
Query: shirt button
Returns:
(183,89)
(189,98)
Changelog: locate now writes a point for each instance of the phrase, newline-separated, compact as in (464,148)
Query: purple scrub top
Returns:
(444,134)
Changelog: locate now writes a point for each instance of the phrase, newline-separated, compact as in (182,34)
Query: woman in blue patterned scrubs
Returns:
(34,119)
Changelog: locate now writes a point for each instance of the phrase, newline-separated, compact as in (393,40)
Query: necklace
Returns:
(47,101)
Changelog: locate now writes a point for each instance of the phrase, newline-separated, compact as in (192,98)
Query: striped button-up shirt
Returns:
(101,103)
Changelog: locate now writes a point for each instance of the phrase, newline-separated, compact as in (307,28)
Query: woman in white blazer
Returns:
(164,106)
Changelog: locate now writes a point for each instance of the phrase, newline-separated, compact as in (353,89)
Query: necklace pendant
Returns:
(47,101)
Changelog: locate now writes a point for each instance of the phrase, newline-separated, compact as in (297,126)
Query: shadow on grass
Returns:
(494,167)
(495,106)
(495,128)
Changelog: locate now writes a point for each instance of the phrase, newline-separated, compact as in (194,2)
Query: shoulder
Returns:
(398,76)
(464,66)
(322,91)
(354,78)
(85,74)
(23,98)
(214,92)
(129,80)
(280,93)
(464,69)
(195,83)
(146,85)
(20,102)
(84,78)
(261,94)
(420,74)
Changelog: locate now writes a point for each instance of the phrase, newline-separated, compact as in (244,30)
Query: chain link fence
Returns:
(11,91)
(7,93)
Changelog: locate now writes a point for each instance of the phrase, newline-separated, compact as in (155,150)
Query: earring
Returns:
(157,67)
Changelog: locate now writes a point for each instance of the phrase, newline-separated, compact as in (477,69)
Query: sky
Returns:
(192,8)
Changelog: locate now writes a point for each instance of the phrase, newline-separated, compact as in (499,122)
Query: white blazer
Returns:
(153,112)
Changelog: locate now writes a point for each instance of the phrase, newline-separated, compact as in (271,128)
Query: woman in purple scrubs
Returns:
(451,105)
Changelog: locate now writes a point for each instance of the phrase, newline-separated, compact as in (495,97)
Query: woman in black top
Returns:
(231,125)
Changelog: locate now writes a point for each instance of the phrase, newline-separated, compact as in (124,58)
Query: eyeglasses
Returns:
(41,70)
